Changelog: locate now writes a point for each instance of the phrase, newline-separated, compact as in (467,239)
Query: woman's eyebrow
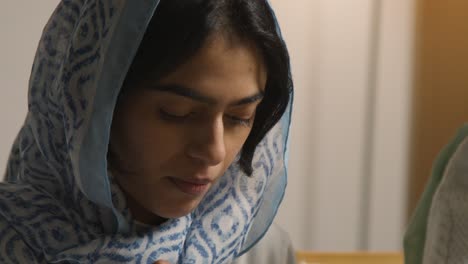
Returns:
(194,95)
(248,100)
(185,92)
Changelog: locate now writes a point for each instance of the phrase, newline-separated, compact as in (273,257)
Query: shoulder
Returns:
(275,248)
(24,212)
(13,249)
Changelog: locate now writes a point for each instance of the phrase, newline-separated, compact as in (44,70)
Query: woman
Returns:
(156,131)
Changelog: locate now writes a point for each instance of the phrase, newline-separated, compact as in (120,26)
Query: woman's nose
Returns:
(208,145)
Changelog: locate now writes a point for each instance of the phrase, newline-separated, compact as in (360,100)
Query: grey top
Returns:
(274,248)
(447,229)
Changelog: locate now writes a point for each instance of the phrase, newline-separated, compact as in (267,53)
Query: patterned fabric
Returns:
(438,232)
(59,204)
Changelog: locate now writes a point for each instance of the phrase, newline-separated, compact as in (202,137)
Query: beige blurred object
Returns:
(440,85)
(307,257)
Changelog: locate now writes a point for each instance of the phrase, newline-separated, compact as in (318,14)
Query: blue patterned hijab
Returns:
(59,205)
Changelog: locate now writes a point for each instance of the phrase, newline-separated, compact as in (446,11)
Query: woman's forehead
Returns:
(218,71)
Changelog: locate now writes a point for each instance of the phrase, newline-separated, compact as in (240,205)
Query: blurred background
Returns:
(380,87)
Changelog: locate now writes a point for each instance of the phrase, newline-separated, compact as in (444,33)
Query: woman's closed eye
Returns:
(171,116)
(240,121)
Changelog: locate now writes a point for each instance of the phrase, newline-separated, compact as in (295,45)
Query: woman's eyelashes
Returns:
(170,116)
(240,121)
(173,117)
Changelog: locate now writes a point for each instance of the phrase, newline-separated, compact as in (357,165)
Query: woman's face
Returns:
(178,135)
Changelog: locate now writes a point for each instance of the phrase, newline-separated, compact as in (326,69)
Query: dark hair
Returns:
(179,29)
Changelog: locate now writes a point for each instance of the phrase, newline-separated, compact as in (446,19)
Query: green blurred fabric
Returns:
(415,237)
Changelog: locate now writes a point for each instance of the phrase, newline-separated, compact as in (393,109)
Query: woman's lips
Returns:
(195,188)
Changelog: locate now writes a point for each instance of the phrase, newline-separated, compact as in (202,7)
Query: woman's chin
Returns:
(176,211)
(153,210)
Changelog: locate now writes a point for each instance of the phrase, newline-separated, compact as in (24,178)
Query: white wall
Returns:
(348,164)
(299,21)
(352,69)
(21,24)
(391,125)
